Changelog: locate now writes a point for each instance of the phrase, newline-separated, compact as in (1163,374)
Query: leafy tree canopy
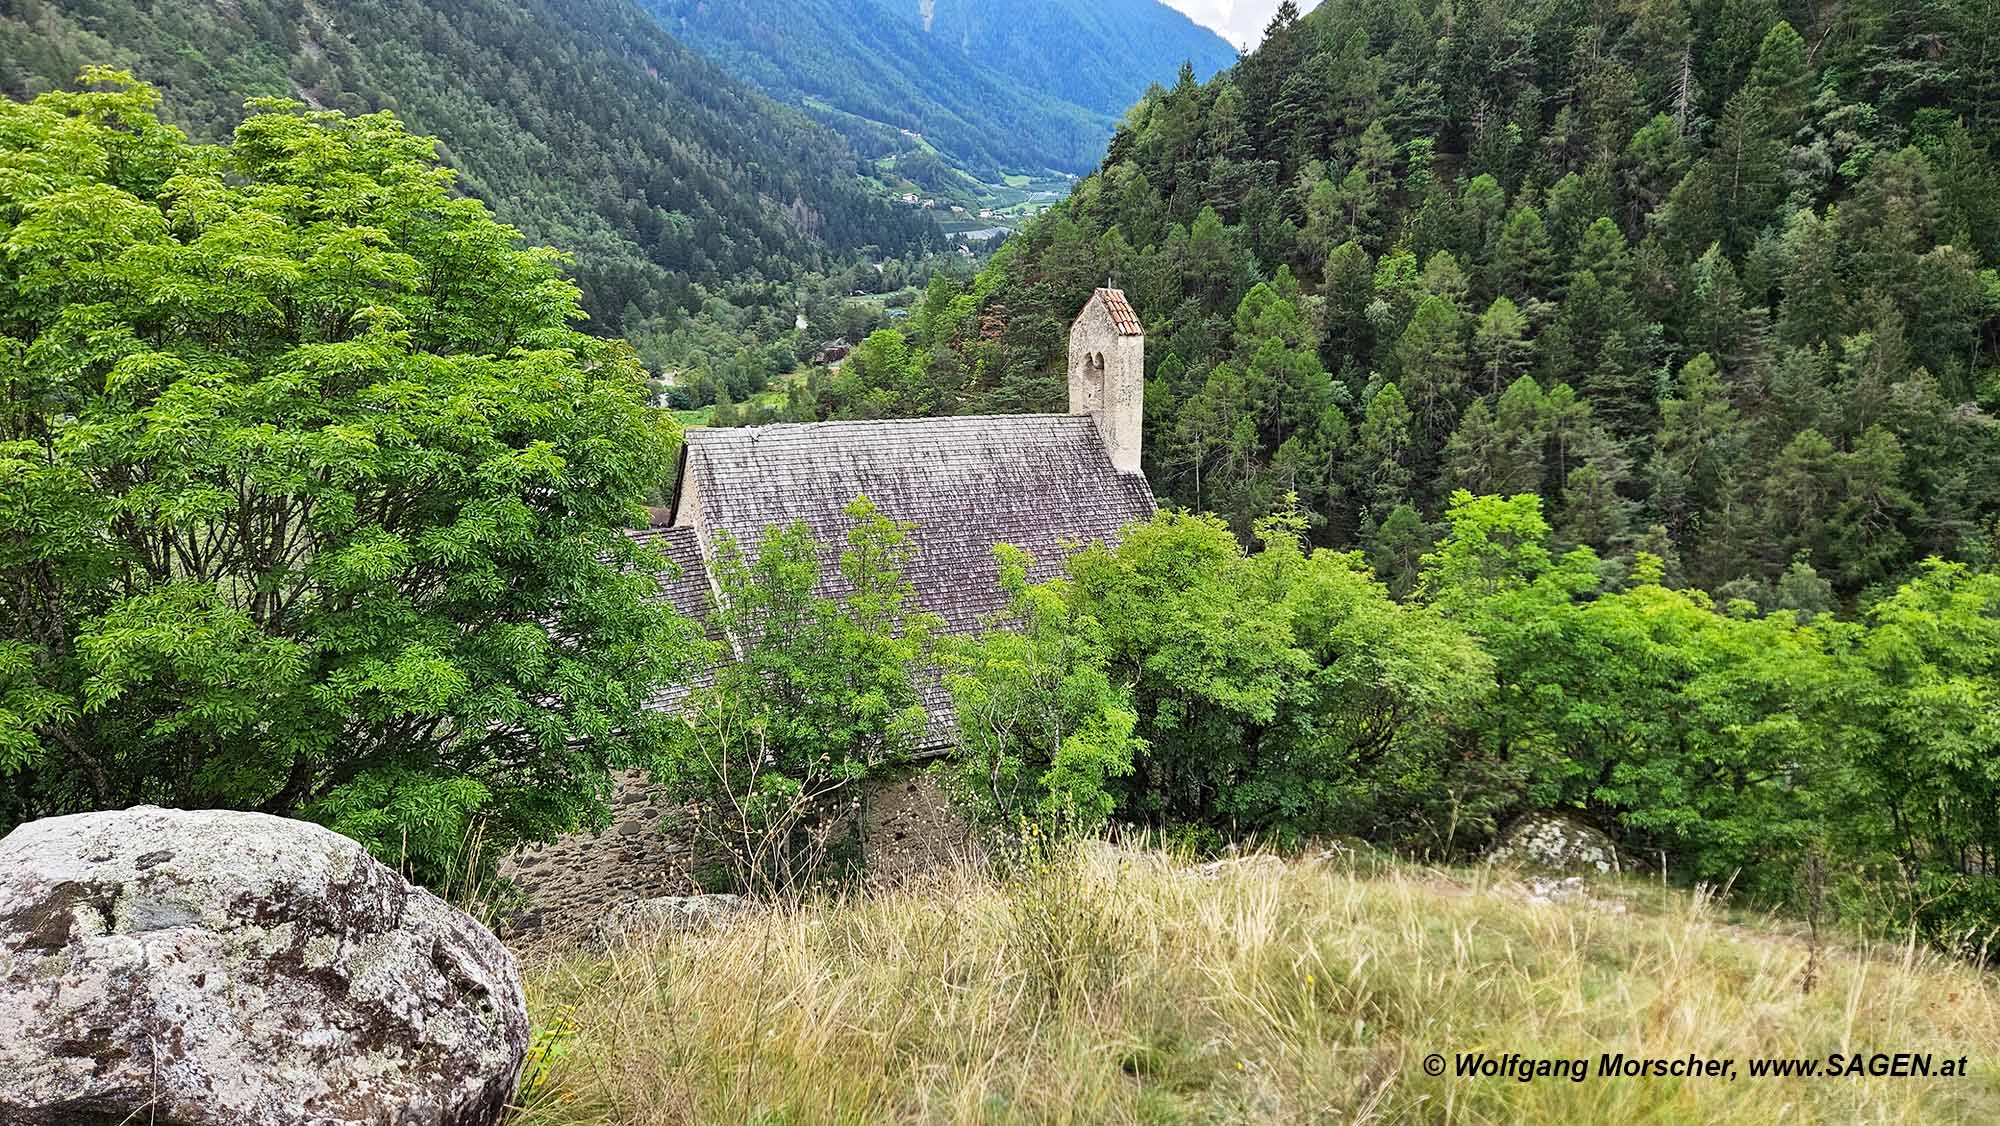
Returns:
(309,489)
(817,693)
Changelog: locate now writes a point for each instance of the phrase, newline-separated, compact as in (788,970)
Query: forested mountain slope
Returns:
(1714,279)
(994,84)
(580,121)
(1099,54)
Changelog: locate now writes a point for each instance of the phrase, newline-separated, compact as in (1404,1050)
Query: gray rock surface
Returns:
(669,914)
(199,968)
(1551,842)
(1254,864)
(1541,891)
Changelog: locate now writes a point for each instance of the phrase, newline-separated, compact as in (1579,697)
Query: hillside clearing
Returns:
(1123,987)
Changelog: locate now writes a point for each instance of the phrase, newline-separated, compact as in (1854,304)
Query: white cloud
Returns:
(1239,21)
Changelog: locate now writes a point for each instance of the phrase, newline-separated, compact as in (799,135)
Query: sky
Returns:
(1239,21)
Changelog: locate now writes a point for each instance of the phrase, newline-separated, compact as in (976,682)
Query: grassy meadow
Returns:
(1122,986)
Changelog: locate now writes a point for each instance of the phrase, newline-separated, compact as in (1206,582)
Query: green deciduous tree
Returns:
(309,489)
(1042,730)
(1279,693)
(1920,722)
(1704,746)
(814,693)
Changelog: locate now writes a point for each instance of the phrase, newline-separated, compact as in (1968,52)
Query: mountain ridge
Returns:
(975,78)
(1123,69)
(1721,305)
(582,123)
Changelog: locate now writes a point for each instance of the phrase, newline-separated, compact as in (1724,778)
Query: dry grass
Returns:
(1124,988)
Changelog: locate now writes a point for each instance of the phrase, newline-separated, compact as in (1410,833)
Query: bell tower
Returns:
(1107,373)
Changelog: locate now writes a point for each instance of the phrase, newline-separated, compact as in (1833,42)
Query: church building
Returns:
(1045,483)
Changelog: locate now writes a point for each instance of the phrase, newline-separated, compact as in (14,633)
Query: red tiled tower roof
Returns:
(1118,309)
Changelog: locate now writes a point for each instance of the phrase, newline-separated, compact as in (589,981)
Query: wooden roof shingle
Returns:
(1042,482)
(685,587)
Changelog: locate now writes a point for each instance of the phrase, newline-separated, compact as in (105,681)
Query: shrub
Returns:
(1279,694)
(818,693)
(1042,731)
(1063,916)
(1915,702)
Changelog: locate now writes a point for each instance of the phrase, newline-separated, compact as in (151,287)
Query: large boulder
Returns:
(1553,843)
(199,968)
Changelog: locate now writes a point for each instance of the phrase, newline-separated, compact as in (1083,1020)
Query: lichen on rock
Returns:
(195,968)
(1551,842)
(669,914)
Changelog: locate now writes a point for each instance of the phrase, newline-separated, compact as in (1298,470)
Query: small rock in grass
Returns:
(669,914)
(1553,843)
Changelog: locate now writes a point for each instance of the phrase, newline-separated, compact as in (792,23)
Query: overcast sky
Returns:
(1239,21)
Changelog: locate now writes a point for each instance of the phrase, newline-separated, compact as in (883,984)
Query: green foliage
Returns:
(1278,694)
(818,693)
(1737,743)
(1918,702)
(1646,707)
(1042,730)
(310,493)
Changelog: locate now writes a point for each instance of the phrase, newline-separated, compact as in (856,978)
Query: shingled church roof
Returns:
(1040,482)
(1043,483)
(684,585)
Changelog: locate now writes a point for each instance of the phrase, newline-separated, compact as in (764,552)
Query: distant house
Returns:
(957,210)
(832,352)
(1045,483)
(986,213)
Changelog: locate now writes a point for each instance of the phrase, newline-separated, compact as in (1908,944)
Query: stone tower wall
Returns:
(1107,379)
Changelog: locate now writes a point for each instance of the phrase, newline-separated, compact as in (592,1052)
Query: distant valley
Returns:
(579,121)
(676,147)
(977,100)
